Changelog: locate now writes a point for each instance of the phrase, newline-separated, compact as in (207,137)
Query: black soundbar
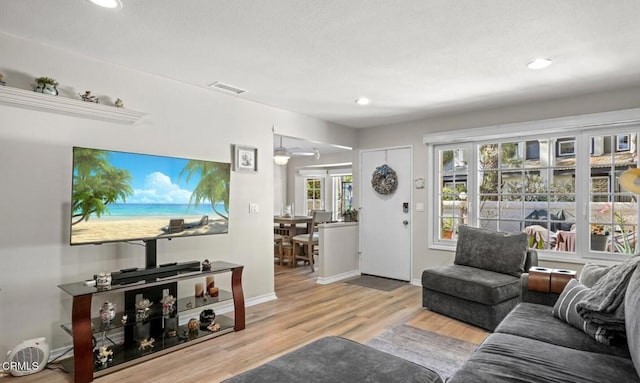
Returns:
(133,275)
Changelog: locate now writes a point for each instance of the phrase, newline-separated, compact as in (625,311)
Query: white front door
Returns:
(385,219)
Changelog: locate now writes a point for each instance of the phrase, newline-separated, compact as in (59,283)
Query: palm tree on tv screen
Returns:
(213,185)
(96,183)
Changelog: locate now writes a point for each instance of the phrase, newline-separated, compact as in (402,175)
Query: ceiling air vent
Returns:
(226,88)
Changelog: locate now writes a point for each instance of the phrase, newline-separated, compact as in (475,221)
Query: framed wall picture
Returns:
(245,158)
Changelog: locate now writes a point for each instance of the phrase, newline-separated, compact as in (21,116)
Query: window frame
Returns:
(562,143)
(582,127)
(623,146)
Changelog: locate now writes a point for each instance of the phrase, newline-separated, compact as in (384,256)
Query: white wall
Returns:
(411,133)
(36,166)
(279,188)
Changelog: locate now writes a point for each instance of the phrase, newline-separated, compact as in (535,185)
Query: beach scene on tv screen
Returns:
(119,196)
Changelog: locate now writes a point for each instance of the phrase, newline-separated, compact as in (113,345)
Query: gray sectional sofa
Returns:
(532,345)
(544,339)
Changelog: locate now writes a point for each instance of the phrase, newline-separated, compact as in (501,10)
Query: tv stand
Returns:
(85,324)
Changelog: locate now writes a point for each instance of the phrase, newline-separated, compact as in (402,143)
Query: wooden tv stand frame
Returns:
(81,322)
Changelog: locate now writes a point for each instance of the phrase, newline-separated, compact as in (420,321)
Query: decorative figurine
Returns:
(168,304)
(142,309)
(206,265)
(46,85)
(107,312)
(169,318)
(103,356)
(207,317)
(124,319)
(88,97)
(119,103)
(193,325)
(1,77)
(213,327)
(144,344)
(103,281)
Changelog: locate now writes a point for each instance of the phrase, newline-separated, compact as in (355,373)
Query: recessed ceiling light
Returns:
(539,63)
(363,101)
(108,3)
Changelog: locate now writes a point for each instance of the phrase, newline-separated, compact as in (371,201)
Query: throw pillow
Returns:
(565,309)
(491,250)
(591,273)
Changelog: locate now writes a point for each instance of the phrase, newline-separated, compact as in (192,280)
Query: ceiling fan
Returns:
(281,154)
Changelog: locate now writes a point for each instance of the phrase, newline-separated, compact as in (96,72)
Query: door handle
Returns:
(405,222)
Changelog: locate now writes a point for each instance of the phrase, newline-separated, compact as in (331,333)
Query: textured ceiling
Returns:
(414,58)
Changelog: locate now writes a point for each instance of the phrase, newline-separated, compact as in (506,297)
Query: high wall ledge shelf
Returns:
(68,106)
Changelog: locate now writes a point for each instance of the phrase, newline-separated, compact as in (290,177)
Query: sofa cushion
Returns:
(491,250)
(632,317)
(473,284)
(509,358)
(481,315)
(535,321)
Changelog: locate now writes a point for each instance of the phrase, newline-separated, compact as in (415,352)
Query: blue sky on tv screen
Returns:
(155,179)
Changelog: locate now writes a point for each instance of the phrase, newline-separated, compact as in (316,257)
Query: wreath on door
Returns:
(384,180)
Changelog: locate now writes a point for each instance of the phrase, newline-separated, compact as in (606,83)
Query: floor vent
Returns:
(226,88)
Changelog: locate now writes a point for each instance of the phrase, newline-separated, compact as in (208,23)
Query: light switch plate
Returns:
(253,208)
(419,206)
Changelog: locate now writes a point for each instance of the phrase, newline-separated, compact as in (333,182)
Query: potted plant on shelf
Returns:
(350,215)
(46,85)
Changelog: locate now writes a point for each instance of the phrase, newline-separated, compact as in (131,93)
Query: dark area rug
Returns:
(378,283)
(439,353)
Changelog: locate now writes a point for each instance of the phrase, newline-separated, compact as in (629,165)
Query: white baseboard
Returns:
(226,307)
(416,282)
(337,277)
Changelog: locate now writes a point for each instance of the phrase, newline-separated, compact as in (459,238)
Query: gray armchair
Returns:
(483,284)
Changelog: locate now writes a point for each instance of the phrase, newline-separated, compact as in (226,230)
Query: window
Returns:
(562,190)
(536,195)
(613,213)
(342,195)
(623,143)
(566,148)
(313,192)
(453,174)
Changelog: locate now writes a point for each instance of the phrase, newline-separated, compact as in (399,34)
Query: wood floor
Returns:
(303,312)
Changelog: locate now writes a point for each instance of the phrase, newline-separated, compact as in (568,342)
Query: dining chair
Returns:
(282,249)
(309,241)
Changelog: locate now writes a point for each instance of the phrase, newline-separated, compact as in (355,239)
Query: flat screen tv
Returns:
(119,196)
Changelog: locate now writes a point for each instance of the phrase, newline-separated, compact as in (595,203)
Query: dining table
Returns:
(290,224)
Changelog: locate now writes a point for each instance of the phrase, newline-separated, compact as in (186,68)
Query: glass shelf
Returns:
(80,288)
(184,304)
(130,353)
